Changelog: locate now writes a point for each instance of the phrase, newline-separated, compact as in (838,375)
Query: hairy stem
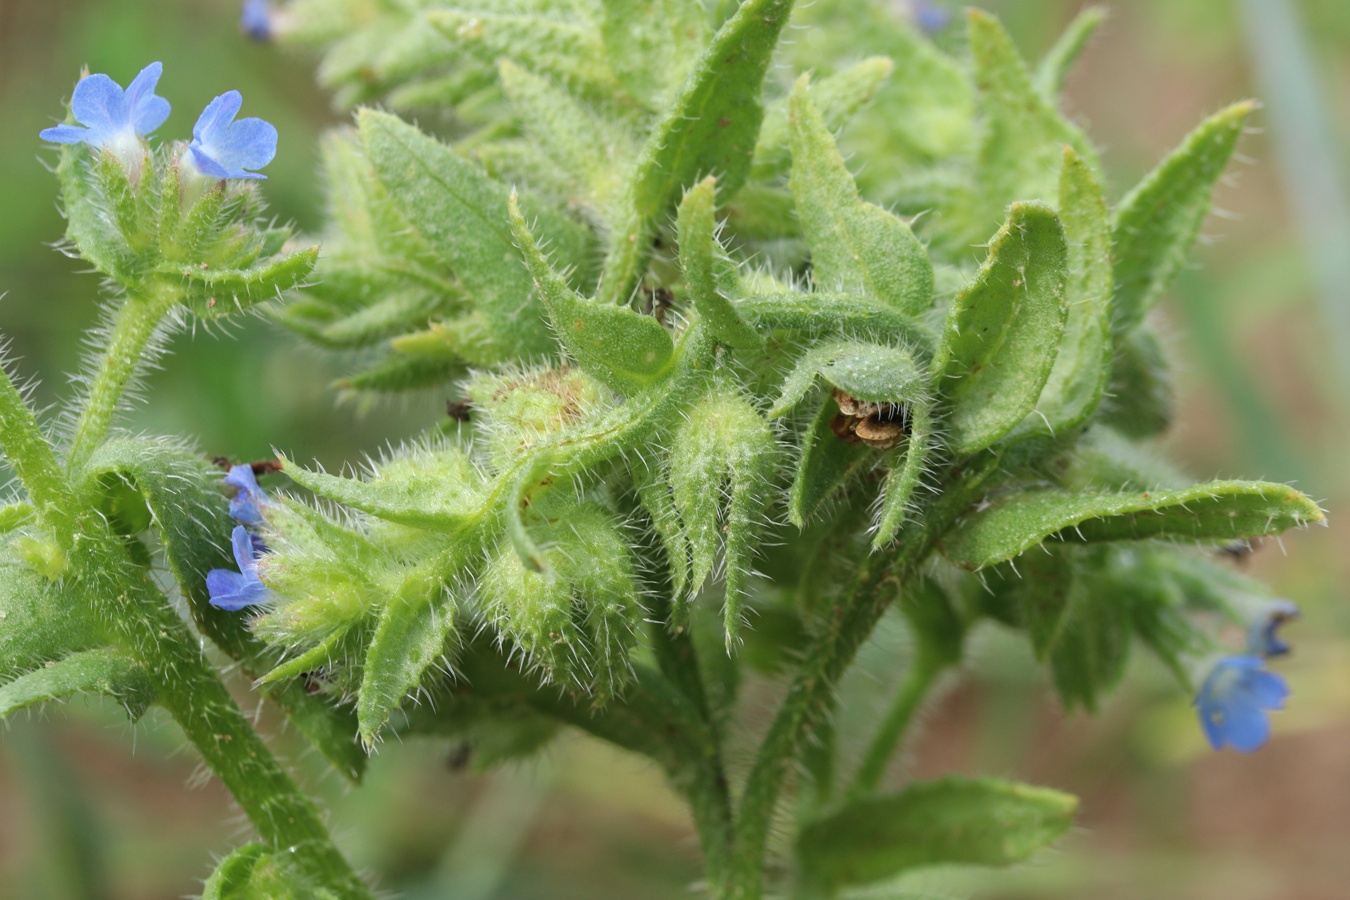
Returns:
(702,776)
(841,631)
(918,682)
(132,609)
(134,329)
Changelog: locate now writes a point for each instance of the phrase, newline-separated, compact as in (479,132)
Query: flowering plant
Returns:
(728,405)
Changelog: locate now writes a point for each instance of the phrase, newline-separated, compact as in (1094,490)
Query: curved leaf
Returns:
(1004,330)
(1216,511)
(109,672)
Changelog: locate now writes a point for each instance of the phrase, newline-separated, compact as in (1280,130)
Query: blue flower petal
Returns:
(1234,700)
(147,110)
(255,20)
(65,134)
(234,590)
(222,148)
(113,118)
(97,103)
(247,505)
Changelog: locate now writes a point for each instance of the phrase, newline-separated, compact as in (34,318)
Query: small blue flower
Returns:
(1234,700)
(1261,637)
(231,590)
(929,16)
(255,20)
(247,505)
(224,148)
(112,118)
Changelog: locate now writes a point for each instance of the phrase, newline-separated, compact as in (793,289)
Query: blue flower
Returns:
(112,118)
(224,148)
(930,17)
(1234,700)
(1261,637)
(232,590)
(247,505)
(255,20)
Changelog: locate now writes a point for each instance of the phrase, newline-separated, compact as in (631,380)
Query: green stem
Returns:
(132,609)
(702,775)
(841,632)
(137,321)
(918,682)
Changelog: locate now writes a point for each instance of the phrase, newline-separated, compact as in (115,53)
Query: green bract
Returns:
(734,383)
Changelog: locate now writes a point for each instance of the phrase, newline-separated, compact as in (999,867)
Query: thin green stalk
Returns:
(137,321)
(842,631)
(918,682)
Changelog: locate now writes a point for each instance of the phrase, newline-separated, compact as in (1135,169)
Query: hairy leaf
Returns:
(109,672)
(711,276)
(1216,511)
(1159,220)
(855,247)
(1004,330)
(624,349)
(953,821)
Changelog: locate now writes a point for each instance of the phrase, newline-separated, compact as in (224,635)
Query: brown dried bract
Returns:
(881,426)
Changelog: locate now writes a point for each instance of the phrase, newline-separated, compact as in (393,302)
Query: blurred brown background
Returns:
(93,808)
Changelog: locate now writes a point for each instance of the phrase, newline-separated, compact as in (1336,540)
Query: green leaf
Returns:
(230,880)
(713,124)
(1023,134)
(953,821)
(872,373)
(86,174)
(655,496)
(1158,222)
(585,145)
(563,48)
(1092,645)
(855,247)
(709,272)
(462,213)
(723,448)
(837,96)
(1043,590)
(15,515)
(40,620)
(1140,390)
(214,293)
(624,349)
(906,473)
(411,637)
(1217,511)
(1054,68)
(651,44)
(1083,365)
(435,488)
(86,672)
(825,464)
(255,872)
(1004,329)
(832,315)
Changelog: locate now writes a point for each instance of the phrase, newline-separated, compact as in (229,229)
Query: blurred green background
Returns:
(1260,330)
